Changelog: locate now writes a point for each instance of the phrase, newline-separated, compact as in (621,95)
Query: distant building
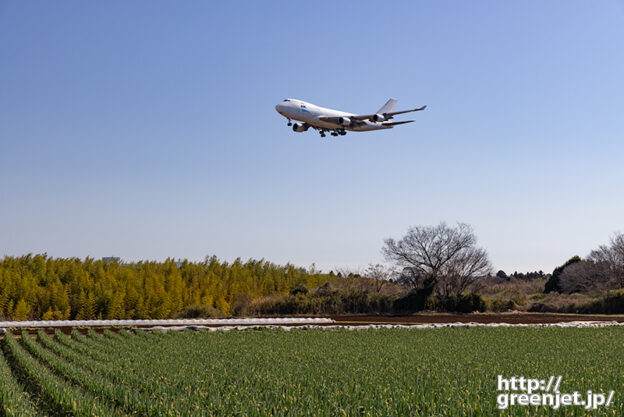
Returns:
(109,259)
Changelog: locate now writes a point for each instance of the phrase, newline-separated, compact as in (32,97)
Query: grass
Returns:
(383,372)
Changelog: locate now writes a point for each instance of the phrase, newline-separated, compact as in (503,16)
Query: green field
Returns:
(384,372)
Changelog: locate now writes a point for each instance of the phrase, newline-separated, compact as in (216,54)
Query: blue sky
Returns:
(147,129)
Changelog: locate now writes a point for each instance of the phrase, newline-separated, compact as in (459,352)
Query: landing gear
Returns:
(289,123)
(338,132)
(322,133)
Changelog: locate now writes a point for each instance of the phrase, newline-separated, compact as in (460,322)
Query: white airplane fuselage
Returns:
(309,113)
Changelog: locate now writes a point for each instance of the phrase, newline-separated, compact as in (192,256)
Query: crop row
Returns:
(13,400)
(55,393)
(387,372)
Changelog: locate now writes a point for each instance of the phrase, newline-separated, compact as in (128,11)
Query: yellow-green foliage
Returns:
(41,287)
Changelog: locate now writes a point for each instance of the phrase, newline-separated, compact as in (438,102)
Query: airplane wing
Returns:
(336,120)
(387,115)
(397,123)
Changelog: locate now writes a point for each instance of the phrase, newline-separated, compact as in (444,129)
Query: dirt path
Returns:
(511,318)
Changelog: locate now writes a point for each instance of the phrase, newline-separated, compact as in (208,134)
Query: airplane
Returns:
(338,122)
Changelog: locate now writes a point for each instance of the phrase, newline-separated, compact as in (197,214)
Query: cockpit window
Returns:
(286,99)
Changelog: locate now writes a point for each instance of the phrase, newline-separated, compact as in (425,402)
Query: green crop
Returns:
(267,372)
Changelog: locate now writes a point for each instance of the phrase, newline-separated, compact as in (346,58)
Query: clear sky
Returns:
(147,129)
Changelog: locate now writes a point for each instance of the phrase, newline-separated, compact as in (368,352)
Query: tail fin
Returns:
(388,107)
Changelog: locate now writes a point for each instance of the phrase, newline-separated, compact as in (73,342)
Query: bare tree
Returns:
(603,270)
(585,277)
(613,257)
(372,279)
(379,274)
(440,256)
(351,278)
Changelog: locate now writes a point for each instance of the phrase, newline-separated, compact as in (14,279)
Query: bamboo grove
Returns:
(41,287)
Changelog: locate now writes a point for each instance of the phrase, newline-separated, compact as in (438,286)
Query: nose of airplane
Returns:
(278,108)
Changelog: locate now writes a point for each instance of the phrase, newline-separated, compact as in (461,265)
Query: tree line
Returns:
(600,271)
(41,287)
(438,267)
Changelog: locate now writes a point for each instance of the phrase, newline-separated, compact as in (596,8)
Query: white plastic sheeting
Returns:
(172,322)
(385,326)
(284,323)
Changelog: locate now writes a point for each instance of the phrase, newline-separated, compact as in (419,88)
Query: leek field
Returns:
(272,372)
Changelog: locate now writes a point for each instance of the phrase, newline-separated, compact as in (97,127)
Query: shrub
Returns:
(324,302)
(543,308)
(299,289)
(241,305)
(611,303)
(462,303)
(499,304)
(416,300)
(197,311)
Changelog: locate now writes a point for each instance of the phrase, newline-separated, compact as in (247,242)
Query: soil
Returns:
(510,318)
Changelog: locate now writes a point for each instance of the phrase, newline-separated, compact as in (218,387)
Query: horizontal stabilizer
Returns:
(388,115)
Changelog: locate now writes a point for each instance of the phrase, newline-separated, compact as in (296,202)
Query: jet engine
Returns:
(344,121)
(378,118)
(300,127)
